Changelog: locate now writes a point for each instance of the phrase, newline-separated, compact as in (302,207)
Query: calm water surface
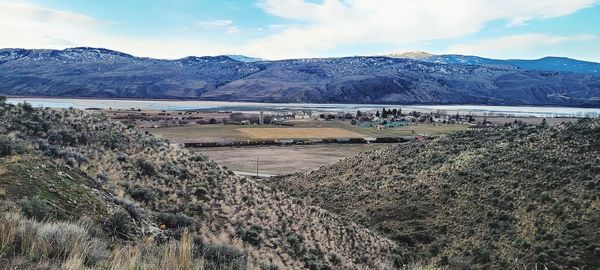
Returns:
(253,107)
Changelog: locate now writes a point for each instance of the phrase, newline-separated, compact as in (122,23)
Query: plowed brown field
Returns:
(299,133)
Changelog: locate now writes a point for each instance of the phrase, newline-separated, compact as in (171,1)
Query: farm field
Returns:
(211,133)
(199,133)
(278,160)
(299,133)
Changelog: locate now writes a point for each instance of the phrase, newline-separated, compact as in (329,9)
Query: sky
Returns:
(284,29)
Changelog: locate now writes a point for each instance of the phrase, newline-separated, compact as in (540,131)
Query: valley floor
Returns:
(280,160)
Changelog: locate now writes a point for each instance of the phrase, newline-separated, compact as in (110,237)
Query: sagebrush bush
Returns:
(251,235)
(142,194)
(146,166)
(218,256)
(8,146)
(35,207)
(119,224)
(178,220)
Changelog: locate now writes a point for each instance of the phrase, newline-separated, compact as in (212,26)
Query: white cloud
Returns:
(227,25)
(516,45)
(215,24)
(337,22)
(25,25)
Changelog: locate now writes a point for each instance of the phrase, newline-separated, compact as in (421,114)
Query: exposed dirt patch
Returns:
(284,159)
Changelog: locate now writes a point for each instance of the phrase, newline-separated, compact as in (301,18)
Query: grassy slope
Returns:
(162,184)
(70,192)
(505,198)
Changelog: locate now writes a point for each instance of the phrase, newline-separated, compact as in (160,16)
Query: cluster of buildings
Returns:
(381,119)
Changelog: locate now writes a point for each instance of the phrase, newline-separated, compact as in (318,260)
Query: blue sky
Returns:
(277,29)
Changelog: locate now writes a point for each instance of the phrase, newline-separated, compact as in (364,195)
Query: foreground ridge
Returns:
(491,198)
(133,186)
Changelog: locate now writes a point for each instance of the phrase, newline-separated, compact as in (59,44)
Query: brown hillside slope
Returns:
(161,184)
(497,198)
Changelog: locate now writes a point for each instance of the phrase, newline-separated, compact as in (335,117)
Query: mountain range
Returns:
(445,79)
(561,64)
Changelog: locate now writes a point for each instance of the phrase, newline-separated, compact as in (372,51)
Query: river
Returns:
(538,111)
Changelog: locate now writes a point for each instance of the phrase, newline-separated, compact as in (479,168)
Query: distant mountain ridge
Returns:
(243,58)
(417,55)
(102,73)
(561,64)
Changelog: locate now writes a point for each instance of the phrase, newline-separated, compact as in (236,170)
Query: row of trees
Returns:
(384,113)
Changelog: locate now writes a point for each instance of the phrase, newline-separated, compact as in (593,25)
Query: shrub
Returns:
(101,177)
(122,158)
(482,256)
(119,224)
(26,106)
(142,194)
(251,235)
(8,146)
(67,137)
(147,167)
(268,266)
(223,257)
(130,207)
(178,220)
(294,245)
(35,207)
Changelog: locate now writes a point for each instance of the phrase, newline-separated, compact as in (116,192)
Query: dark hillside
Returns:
(480,199)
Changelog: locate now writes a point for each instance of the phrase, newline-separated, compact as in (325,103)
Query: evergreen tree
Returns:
(384,113)
(395,112)
(377,113)
(358,114)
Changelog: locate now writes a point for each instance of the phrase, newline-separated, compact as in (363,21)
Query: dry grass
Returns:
(531,188)
(176,255)
(299,133)
(29,244)
(59,243)
(226,211)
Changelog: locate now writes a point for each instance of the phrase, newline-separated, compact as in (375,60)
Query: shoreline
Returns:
(295,103)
